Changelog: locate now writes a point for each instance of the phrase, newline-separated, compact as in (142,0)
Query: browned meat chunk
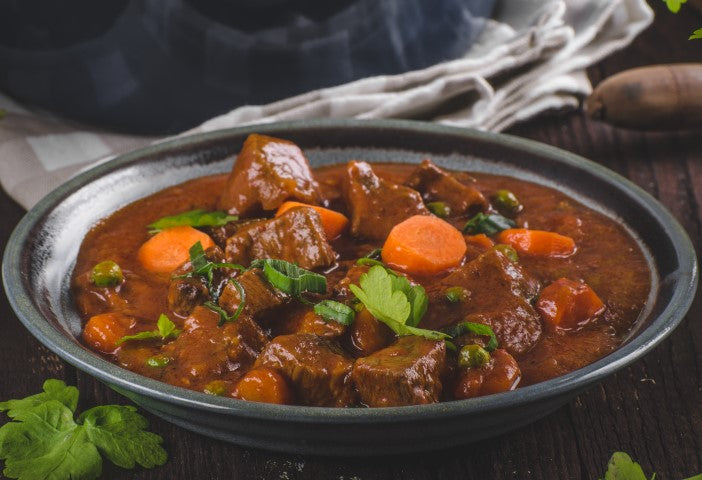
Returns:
(267,172)
(260,295)
(317,369)
(296,236)
(186,293)
(497,293)
(377,205)
(367,335)
(408,372)
(437,185)
(204,349)
(304,320)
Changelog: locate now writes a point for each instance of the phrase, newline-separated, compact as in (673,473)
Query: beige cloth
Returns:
(530,57)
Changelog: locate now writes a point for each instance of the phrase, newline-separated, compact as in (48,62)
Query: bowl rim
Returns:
(575,381)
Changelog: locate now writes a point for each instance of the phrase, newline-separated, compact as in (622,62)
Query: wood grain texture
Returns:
(652,410)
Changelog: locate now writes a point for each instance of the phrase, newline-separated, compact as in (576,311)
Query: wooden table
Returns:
(652,410)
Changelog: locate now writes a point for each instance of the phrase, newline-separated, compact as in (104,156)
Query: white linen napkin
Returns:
(530,57)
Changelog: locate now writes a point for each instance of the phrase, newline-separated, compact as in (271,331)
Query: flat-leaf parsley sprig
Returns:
(43,441)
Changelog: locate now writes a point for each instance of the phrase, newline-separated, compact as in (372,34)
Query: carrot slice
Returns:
(102,331)
(480,240)
(423,245)
(333,222)
(168,249)
(568,305)
(537,243)
(263,385)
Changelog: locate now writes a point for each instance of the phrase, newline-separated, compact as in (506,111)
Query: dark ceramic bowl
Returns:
(42,250)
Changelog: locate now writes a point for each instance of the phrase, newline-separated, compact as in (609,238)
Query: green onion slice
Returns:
(335,311)
(289,278)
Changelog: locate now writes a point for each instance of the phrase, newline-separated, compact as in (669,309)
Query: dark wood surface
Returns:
(652,410)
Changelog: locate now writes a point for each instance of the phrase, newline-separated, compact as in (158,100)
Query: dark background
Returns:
(652,410)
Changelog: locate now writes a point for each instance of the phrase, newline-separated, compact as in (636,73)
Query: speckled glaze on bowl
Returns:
(42,250)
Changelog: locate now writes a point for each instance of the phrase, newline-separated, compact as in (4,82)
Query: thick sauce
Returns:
(607,259)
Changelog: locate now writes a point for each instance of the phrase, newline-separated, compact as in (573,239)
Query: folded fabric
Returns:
(531,56)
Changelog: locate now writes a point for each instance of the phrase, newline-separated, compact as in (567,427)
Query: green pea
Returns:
(506,201)
(440,209)
(216,387)
(158,361)
(508,251)
(106,274)
(473,356)
(455,294)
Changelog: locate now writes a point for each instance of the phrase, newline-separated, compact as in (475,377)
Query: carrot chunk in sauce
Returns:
(568,305)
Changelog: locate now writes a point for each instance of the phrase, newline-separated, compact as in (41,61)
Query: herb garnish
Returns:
(371,258)
(192,218)
(392,300)
(488,224)
(165,329)
(224,317)
(204,268)
(335,311)
(475,328)
(289,278)
(43,440)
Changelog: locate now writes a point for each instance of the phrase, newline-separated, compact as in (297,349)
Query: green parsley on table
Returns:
(43,440)
(165,329)
(192,218)
(392,300)
(674,6)
(622,467)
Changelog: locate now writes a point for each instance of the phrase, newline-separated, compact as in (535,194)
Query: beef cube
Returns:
(186,293)
(437,185)
(318,370)
(267,172)
(296,236)
(204,349)
(377,205)
(497,293)
(260,295)
(245,341)
(304,320)
(408,372)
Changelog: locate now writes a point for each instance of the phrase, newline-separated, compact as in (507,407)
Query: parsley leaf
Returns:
(53,390)
(119,433)
(697,34)
(165,329)
(674,6)
(192,218)
(45,442)
(622,467)
(388,298)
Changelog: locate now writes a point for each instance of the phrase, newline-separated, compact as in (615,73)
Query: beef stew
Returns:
(440,285)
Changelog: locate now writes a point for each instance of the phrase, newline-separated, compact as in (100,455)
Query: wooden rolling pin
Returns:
(657,97)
